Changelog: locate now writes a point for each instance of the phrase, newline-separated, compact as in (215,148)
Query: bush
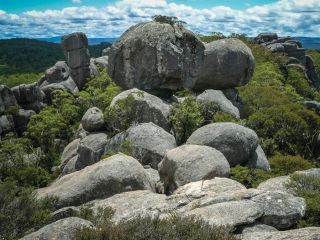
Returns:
(267,74)
(291,128)
(308,187)
(223,117)
(185,118)
(173,228)
(250,177)
(20,162)
(298,81)
(285,165)
(20,211)
(256,97)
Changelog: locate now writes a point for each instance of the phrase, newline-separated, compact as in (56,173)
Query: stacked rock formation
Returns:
(294,50)
(75,48)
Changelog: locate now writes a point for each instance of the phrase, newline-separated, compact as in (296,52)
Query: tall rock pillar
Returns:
(75,48)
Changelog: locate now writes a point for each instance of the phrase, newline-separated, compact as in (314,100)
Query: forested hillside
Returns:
(25,60)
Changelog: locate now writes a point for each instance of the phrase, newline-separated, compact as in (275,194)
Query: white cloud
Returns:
(286,17)
(76,1)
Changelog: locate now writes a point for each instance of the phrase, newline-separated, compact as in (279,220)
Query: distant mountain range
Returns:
(307,42)
(92,41)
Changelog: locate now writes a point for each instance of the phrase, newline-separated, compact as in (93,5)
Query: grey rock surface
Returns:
(116,174)
(75,48)
(237,143)
(155,55)
(277,184)
(69,152)
(147,142)
(259,160)
(191,163)
(7,98)
(64,229)
(227,63)
(281,210)
(93,120)
(310,233)
(229,214)
(21,120)
(217,97)
(144,108)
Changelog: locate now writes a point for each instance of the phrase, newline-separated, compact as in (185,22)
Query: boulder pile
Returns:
(294,50)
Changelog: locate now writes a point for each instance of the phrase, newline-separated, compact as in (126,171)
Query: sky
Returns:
(110,18)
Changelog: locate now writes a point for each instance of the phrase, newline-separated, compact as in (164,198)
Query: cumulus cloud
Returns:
(286,17)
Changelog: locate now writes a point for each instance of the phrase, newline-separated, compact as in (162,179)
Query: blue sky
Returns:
(109,18)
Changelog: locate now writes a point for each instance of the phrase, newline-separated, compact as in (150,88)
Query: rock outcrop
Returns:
(92,120)
(7,99)
(228,63)
(142,108)
(191,163)
(295,52)
(116,174)
(218,98)
(146,142)
(237,143)
(75,48)
(259,160)
(64,229)
(155,55)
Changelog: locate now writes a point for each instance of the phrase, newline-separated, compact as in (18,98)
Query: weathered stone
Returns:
(277,184)
(65,212)
(80,133)
(6,124)
(29,96)
(229,214)
(21,120)
(116,174)
(236,142)
(154,177)
(217,97)
(147,142)
(64,229)
(259,160)
(7,98)
(310,233)
(228,63)
(191,163)
(313,105)
(144,108)
(281,210)
(56,74)
(69,152)
(134,204)
(101,62)
(256,227)
(155,55)
(265,37)
(93,120)
(74,41)
(310,172)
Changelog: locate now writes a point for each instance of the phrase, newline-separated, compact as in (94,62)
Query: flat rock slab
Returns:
(64,229)
(311,233)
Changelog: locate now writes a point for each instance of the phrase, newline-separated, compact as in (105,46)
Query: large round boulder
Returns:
(237,143)
(146,142)
(155,55)
(142,107)
(7,98)
(228,63)
(93,120)
(116,174)
(191,163)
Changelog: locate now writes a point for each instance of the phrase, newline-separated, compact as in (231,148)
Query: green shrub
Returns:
(185,118)
(20,211)
(298,81)
(16,79)
(285,165)
(308,187)
(291,128)
(267,74)
(223,117)
(120,116)
(98,92)
(256,97)
(250,177)
(20,162)
(155,229)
